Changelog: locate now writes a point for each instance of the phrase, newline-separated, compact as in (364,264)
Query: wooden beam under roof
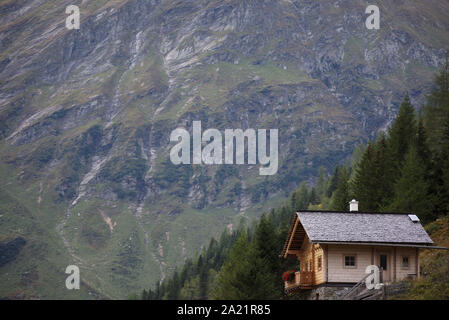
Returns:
(292,235)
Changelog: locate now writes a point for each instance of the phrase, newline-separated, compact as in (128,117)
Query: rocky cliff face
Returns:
(86,117)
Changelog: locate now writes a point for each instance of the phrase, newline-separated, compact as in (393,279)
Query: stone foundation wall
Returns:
(396,289)
(337,292)
(325,293)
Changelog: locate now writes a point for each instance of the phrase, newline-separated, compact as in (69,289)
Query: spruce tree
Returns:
(267,246)
(244,275)
(293,202)
(375,176)
(402,133)
(313,197)
(364,183)
(422,146)
(157,292)
(443,192)
(333,183)
(174,287)
(321,185)
(341,196)
(436,115)
(185,273)
(411,189)
(437,109)
(357,156)
(199,264)
(203,283)
(302,198)
(385,172)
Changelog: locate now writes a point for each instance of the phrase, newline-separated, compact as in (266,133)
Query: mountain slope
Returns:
(86,117)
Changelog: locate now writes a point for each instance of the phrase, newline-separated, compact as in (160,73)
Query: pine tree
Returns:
(443,191)
(199,264)
(436,118)
(385,172)
(321,185)
(174,287)
(244,275)
(333,183)
(341,196)
(411,189)
(364,183)
(302,198)
(313,197)
(185,271)
(357,156)
(422,146)
(157,293)
(437,109)
(267,246)
(203,283)
(375,176)
(402,133)
(293,202)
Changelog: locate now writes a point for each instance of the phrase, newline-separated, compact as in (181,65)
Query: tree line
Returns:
(406,169)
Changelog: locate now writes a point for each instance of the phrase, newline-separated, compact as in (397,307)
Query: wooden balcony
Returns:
(302,281)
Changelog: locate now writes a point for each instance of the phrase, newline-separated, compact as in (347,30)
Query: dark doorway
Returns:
(383,261)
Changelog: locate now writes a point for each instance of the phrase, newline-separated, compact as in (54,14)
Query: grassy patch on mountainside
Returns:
(33,261)
(215,83)
(434,283)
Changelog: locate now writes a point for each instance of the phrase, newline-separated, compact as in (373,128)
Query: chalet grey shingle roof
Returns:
(362,227)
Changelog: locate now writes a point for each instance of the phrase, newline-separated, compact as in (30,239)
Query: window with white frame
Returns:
(350,261)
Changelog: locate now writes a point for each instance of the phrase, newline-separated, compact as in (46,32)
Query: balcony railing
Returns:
(302,280)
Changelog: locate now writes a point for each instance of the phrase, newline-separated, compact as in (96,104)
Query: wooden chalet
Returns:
(334,248)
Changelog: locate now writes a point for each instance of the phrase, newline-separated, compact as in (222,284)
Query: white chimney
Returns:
(353,205)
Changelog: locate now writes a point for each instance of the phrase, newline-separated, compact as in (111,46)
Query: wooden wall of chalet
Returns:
(312,253)
(369,255)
